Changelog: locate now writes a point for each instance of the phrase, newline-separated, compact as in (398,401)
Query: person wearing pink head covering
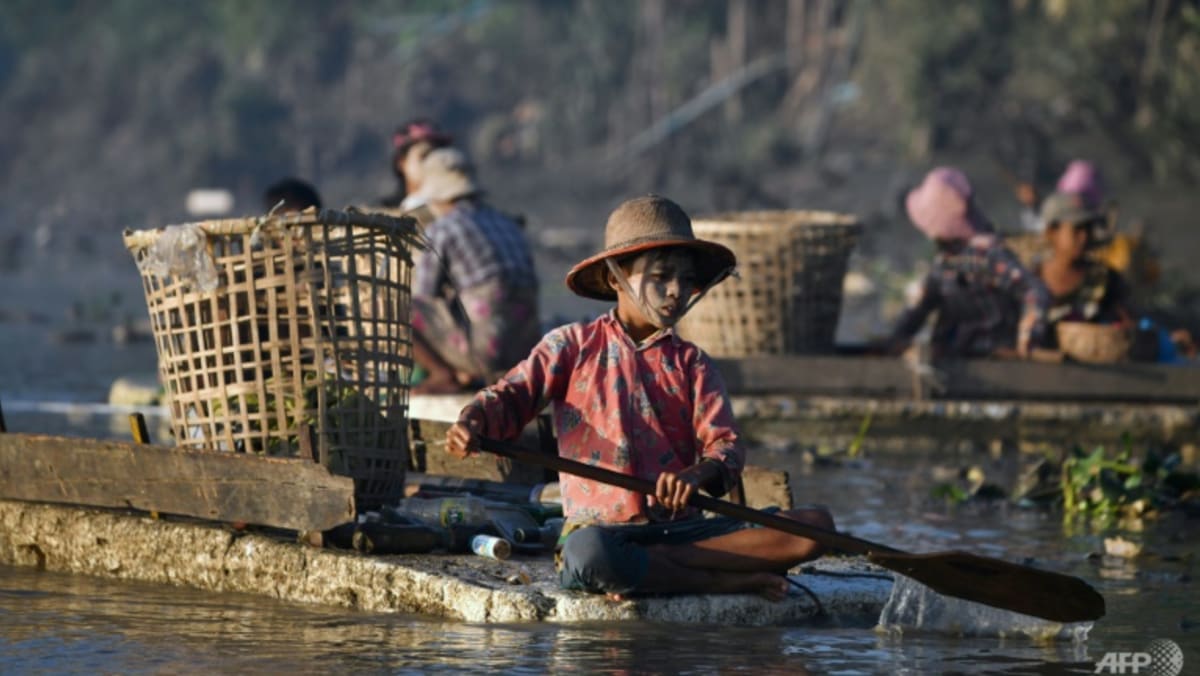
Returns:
(1083,178)
(411,142)
(987,303)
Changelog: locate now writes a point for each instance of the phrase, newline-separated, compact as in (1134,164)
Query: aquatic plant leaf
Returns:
(948,492)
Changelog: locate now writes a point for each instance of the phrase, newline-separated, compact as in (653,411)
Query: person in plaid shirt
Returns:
(475,291)
(633,397)
(987,303)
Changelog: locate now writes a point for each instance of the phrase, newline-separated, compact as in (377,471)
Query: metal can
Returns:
(491,547)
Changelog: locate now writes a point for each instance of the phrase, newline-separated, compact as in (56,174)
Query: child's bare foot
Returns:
(770,586)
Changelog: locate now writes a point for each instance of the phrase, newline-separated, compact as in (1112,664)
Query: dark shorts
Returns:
(613,559)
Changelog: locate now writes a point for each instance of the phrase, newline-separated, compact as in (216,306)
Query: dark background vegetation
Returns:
(112,111)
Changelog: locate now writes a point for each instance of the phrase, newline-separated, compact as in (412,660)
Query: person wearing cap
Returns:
(987,303)
(411,142)
(630,395)
(1081,288)
(475,291)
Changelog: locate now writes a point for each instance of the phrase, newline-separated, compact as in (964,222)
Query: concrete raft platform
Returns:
(132,546)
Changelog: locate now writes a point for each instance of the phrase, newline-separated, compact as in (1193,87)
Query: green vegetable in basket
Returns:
(346,411)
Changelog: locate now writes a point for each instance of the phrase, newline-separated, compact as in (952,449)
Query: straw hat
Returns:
(446,175)
(641,224)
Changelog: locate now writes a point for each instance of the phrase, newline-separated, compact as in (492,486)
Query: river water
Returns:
(72,624)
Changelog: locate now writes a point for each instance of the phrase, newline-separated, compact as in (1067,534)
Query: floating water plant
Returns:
(1106,487)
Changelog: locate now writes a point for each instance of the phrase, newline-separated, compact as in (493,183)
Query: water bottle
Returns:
(457,511)
(547,535)
(546,493)
(374,537)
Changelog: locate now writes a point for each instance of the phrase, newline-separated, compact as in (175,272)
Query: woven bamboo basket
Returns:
(787,296)
(1094,343)
(288,336)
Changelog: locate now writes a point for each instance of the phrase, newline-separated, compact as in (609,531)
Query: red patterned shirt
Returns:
(635,409)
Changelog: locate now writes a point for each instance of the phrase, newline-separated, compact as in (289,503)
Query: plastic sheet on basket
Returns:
(181,252)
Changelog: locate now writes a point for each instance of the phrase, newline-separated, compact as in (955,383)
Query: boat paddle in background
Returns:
(992,582)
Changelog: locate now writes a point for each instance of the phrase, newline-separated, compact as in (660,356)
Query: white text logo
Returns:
(1162,657)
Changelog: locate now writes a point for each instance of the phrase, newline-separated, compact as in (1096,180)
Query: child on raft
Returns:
(633,397)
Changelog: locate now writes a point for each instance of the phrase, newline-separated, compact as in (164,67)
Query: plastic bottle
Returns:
(547,535)
(546,493)
(382,538)
(465,510)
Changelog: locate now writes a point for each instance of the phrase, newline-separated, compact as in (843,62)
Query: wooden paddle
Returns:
(1040,593)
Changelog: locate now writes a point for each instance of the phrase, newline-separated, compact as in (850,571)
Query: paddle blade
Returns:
(1000,584)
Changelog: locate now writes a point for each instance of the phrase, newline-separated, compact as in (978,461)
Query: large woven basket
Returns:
(287,335)
(1094,343)
(788,294)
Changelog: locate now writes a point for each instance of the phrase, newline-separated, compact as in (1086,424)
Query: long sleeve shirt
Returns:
(639,410)
(471,245)
(984,297)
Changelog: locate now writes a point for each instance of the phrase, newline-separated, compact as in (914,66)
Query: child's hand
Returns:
(674,490)
(463,438)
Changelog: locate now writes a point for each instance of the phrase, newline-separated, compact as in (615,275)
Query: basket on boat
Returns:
(288,336)
(788,293)
(1094,343)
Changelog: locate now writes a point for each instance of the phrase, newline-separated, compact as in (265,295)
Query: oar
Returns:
(992,582)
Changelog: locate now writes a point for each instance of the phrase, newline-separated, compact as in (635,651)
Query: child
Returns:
(633,397)
(987,303)
(1081,288)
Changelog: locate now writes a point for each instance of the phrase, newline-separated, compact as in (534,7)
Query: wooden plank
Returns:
(279,492)
(963,379)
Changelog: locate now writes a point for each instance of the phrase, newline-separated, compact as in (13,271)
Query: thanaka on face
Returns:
(1069,241)
(663,282)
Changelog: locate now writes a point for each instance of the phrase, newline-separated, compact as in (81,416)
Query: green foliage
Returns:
(1104,487)
(949,492)
(166,96)
(341,404)
(972,74)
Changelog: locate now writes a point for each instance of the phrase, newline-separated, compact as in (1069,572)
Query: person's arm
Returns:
(504,409)
(1010,276)
(912,319)
(721,457)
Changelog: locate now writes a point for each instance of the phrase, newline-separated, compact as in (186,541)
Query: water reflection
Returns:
(59,623)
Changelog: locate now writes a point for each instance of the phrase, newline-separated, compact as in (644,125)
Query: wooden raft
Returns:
(279,492)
